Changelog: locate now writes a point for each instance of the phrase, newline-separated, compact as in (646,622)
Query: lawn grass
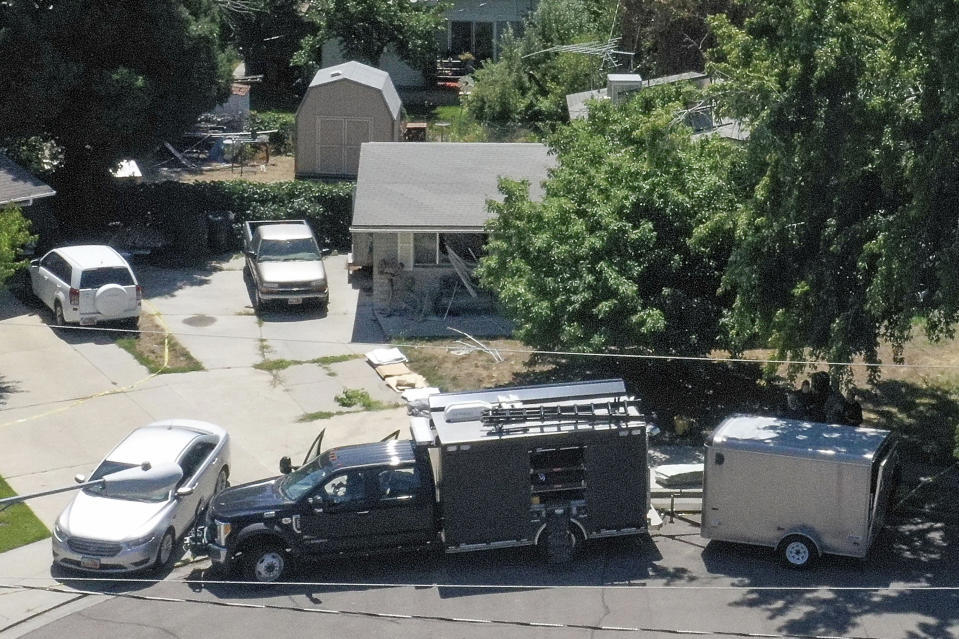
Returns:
(18,525)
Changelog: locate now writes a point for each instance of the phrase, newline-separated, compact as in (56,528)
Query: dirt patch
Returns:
(280,168)
(158,350)
(452,367)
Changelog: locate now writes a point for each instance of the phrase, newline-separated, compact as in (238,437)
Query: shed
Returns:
(344,106)
(419,207)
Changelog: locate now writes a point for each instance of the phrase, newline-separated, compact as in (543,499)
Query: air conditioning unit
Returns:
(620,85)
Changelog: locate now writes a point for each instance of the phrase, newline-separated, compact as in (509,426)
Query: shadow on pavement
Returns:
(910,570)
(606,562)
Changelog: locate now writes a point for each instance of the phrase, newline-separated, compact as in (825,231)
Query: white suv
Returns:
(86,285)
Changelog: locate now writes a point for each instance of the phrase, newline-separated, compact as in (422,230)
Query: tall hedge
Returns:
(174,207)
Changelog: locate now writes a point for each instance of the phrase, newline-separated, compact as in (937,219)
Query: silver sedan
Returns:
(137,530)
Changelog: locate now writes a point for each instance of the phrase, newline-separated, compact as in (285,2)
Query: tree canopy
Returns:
(527,84)
(824,259)
(627,247)
(365,28)
(102,79)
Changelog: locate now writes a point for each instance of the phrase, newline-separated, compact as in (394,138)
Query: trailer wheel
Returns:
(798,552)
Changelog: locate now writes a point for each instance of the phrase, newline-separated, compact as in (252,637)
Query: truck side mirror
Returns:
(286,466)
(185,491)
(35,262)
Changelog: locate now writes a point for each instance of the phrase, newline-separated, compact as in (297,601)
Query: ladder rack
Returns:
(506,419)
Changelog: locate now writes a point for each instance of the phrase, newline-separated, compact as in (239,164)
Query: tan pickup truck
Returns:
(285,262)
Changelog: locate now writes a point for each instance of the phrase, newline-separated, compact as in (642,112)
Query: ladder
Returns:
(505,419)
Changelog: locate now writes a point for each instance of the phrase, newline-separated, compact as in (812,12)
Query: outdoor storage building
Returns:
(769,480)
(345,106)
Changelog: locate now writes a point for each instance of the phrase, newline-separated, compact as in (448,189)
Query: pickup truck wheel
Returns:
(559,544)
(265,563)
(797,552)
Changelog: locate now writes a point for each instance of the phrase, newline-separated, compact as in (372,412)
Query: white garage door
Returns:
(338,143)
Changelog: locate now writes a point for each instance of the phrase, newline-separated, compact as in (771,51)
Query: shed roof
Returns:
(18,185)
(361,74)
(798,438)
(436,186)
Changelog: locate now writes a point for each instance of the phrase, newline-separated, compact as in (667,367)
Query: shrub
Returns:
(281,122)
(173,207)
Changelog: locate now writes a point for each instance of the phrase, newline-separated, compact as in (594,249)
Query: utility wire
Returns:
(520,351)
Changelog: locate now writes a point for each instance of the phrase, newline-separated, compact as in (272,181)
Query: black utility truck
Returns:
(551,465)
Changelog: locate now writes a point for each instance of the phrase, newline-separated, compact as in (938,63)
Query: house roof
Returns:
(18,185)
(576,102)
(361,74)
(437,186)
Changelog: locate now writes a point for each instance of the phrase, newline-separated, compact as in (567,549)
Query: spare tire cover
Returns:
(111,299)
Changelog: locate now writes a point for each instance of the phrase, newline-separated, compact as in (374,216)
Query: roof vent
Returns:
(464,412)
(334,74)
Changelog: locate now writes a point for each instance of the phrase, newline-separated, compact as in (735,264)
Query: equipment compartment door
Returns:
(617,480)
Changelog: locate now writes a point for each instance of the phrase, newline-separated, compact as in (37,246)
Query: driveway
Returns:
(67,398)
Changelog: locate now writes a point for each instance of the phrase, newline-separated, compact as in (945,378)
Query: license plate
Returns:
(88,321)
(90,562)
(294,300)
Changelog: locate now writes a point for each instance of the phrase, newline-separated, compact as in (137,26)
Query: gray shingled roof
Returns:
(18,185)
(365,75)
(437,185)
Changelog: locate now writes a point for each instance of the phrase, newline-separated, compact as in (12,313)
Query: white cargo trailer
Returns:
(803,488)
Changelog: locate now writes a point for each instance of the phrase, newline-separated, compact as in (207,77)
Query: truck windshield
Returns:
(302,480)
(282,250)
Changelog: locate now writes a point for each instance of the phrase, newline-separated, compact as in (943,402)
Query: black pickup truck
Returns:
(552,466)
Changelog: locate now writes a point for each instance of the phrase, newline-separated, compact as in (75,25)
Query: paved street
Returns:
(66,399)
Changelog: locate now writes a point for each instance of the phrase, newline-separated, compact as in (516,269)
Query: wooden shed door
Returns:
(338,143)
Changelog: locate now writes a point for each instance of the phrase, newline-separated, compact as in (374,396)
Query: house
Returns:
(472,26)
(344,106)
(18,186)
(619,86)
(420,211)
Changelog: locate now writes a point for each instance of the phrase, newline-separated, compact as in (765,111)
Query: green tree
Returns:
(267,35)
(14,233)
(672,37)
(102,80)
(826,99)
(365,28)
(528,84)
(627,246)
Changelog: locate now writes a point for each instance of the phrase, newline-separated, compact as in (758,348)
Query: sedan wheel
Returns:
(165,552)
(222,482)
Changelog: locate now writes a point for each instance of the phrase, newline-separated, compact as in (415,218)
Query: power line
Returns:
(557,353)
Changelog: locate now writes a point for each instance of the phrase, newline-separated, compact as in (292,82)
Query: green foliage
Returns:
(672,37)
(326,206)
(817,265)
(628,245)
(103,80)
(267,37)
(18,525)
(358,397)
(365,28)
(526,85)
(282,122)
(14,234)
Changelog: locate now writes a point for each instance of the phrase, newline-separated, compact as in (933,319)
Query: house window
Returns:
(425,248)
(430,249)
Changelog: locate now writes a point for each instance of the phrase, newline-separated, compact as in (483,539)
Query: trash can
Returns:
(220,236)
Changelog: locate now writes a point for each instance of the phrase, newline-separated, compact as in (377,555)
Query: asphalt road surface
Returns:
(670,585)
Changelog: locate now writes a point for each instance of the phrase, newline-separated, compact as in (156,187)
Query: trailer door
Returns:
(880,497)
